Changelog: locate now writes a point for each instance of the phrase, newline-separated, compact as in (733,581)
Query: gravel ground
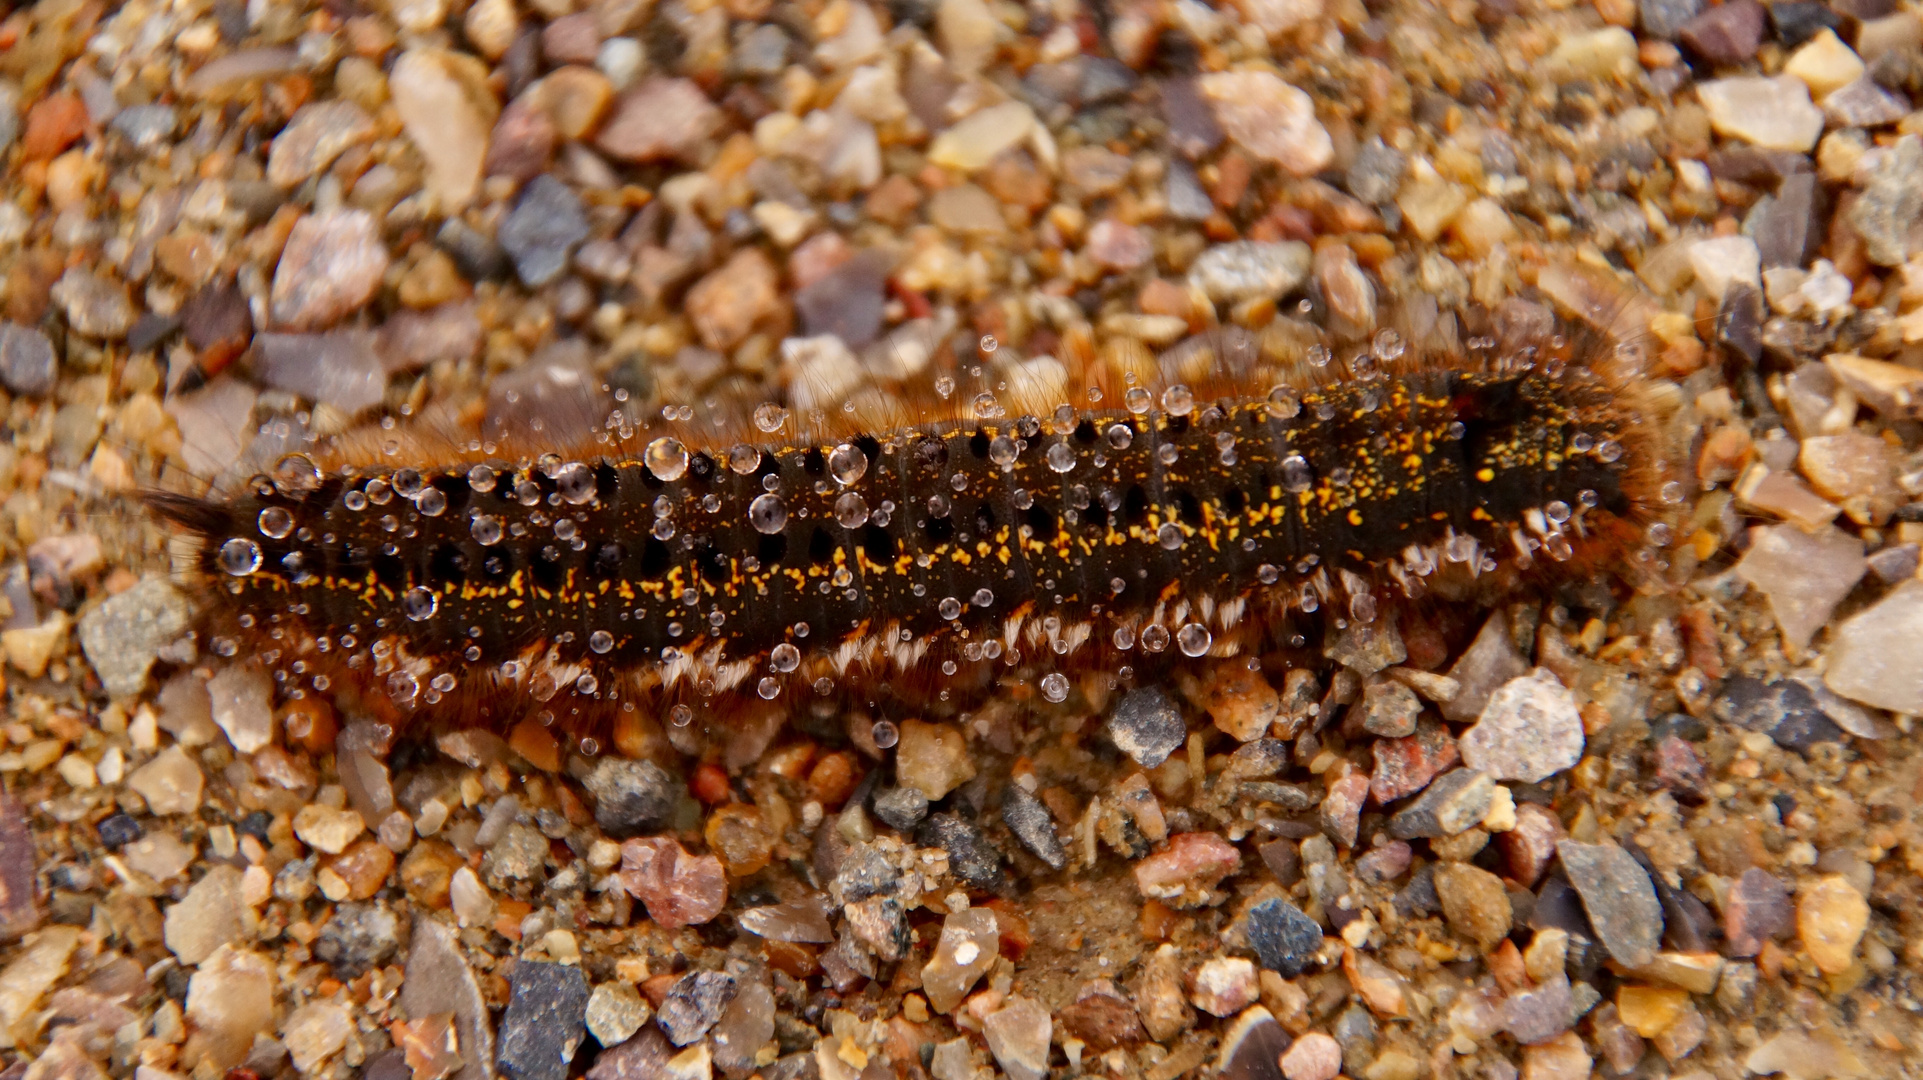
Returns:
(1668,830)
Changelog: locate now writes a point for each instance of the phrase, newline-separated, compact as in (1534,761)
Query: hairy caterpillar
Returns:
(678,575)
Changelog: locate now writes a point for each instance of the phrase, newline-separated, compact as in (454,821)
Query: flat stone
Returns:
(1831,916)
(1773,113)
(171,783)
(1474,902)
(1314,1056)
(1804,574)
(1407,765)
(209,916)
(545,1020)
(1365,647)
(972,856)
(19,908)
(1826,64)
(231,995)
(980,136)
(726,305)
(1018,1035)
(1456,801)
(1725,34)
(1033,825)
(1870,656)
(28,365)
(95,306)
(1248,270)
(315,1032)
(678,889)
(969,943)
(1285,939)
(1224,986)
(660,119)
(1147,725)
(1786,224)
(1865,103)
(1529,731)
(1269,118)
(1186,872)
(694,1004)
(330,267)
(444,120)
(632,797)
(1886,213)
(1757,910)
(1389,709)
(319,132)
(932,758)
(1618,897)
(438,980)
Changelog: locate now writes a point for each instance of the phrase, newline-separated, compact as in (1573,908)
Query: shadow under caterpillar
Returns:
(662,573)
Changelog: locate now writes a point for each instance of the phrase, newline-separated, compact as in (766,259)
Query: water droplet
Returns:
(945,386)
(486,529)
(587,684)
(443,682)
(481,479)
(1055,687)
(851,510)
(1169,536)
(1155,637)
(885,734)
(1178,400)
(1001,450)
(1061,457)
(1167,453)
(1660,534)
(380,492)
(768,688)
(770,417)
(1341,475)
(1284,403)
(296,474)
(847,463)
(419,603)
(1671,492)
(986,407)
(1310,599)
(680,716)
(600,641)
(1556,511)
(403,687)
(1388,344)
(565,529)
(1296,473)
(988,344)
(275,522)
(984,598)
(1362,607)
(1268,573)
(1138,400)
(938,506)
(667,458)
(949,608)
(1582,442)
(662,529)
(1319,355)
(1609,450)
(432,502)
(1124,638)
(354,500)
(768,514)
(407,482)
(240,556)
(575,482)
(1194,639)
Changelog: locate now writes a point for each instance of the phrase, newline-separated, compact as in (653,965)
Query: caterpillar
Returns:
(672,573)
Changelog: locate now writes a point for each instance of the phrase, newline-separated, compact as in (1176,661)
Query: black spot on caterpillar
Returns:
(677,576)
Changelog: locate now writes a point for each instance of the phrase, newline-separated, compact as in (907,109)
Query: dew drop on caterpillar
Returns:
(1203,511)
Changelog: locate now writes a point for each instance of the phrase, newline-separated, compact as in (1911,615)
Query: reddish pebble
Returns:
(1529,847)
(1342,808)
(1680,770)
(1314,1056)
(53,124)
(1182,874)
(679,889)
(832,778)
(1405,766)
(1758,909)
(710,783)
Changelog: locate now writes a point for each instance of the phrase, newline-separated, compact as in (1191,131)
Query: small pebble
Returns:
(544,1022)
(1618,897)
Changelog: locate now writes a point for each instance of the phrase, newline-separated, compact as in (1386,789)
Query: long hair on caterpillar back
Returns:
(1100,512)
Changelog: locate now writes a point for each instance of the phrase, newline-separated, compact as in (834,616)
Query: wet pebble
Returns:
(972,857)
(1285,939)
(1455,802)
(632,797)
(1033,825)
(1870,659)
(543,230)
(679,889)
(1269,118)
(1618,898)
(1248,270)
(1474,902)
(657,120)
(1018,1035)
(28,365)
(901,808)
(94,306)
(331,265)
(544,1022)
(693,1005)
(1147,725)
(1529,731)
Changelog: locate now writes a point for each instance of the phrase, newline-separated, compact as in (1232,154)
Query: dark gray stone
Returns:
(477,255)
(545,1021)
(1147,726)
(848,301)
(1787,225)
(1863,103)
(632,797)
(1663,18)
(1376,173)
(1739,321)
(1033,825)
(972,857)
(360,936)
(1192,130)
(1618,898)
(1786,711)
(543,229)
(1285,939)
(1725,34)
(1797,21)
(1187,200)
(146,126)
(693,1005)
(1455,801)
(901,808)
(27,362)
